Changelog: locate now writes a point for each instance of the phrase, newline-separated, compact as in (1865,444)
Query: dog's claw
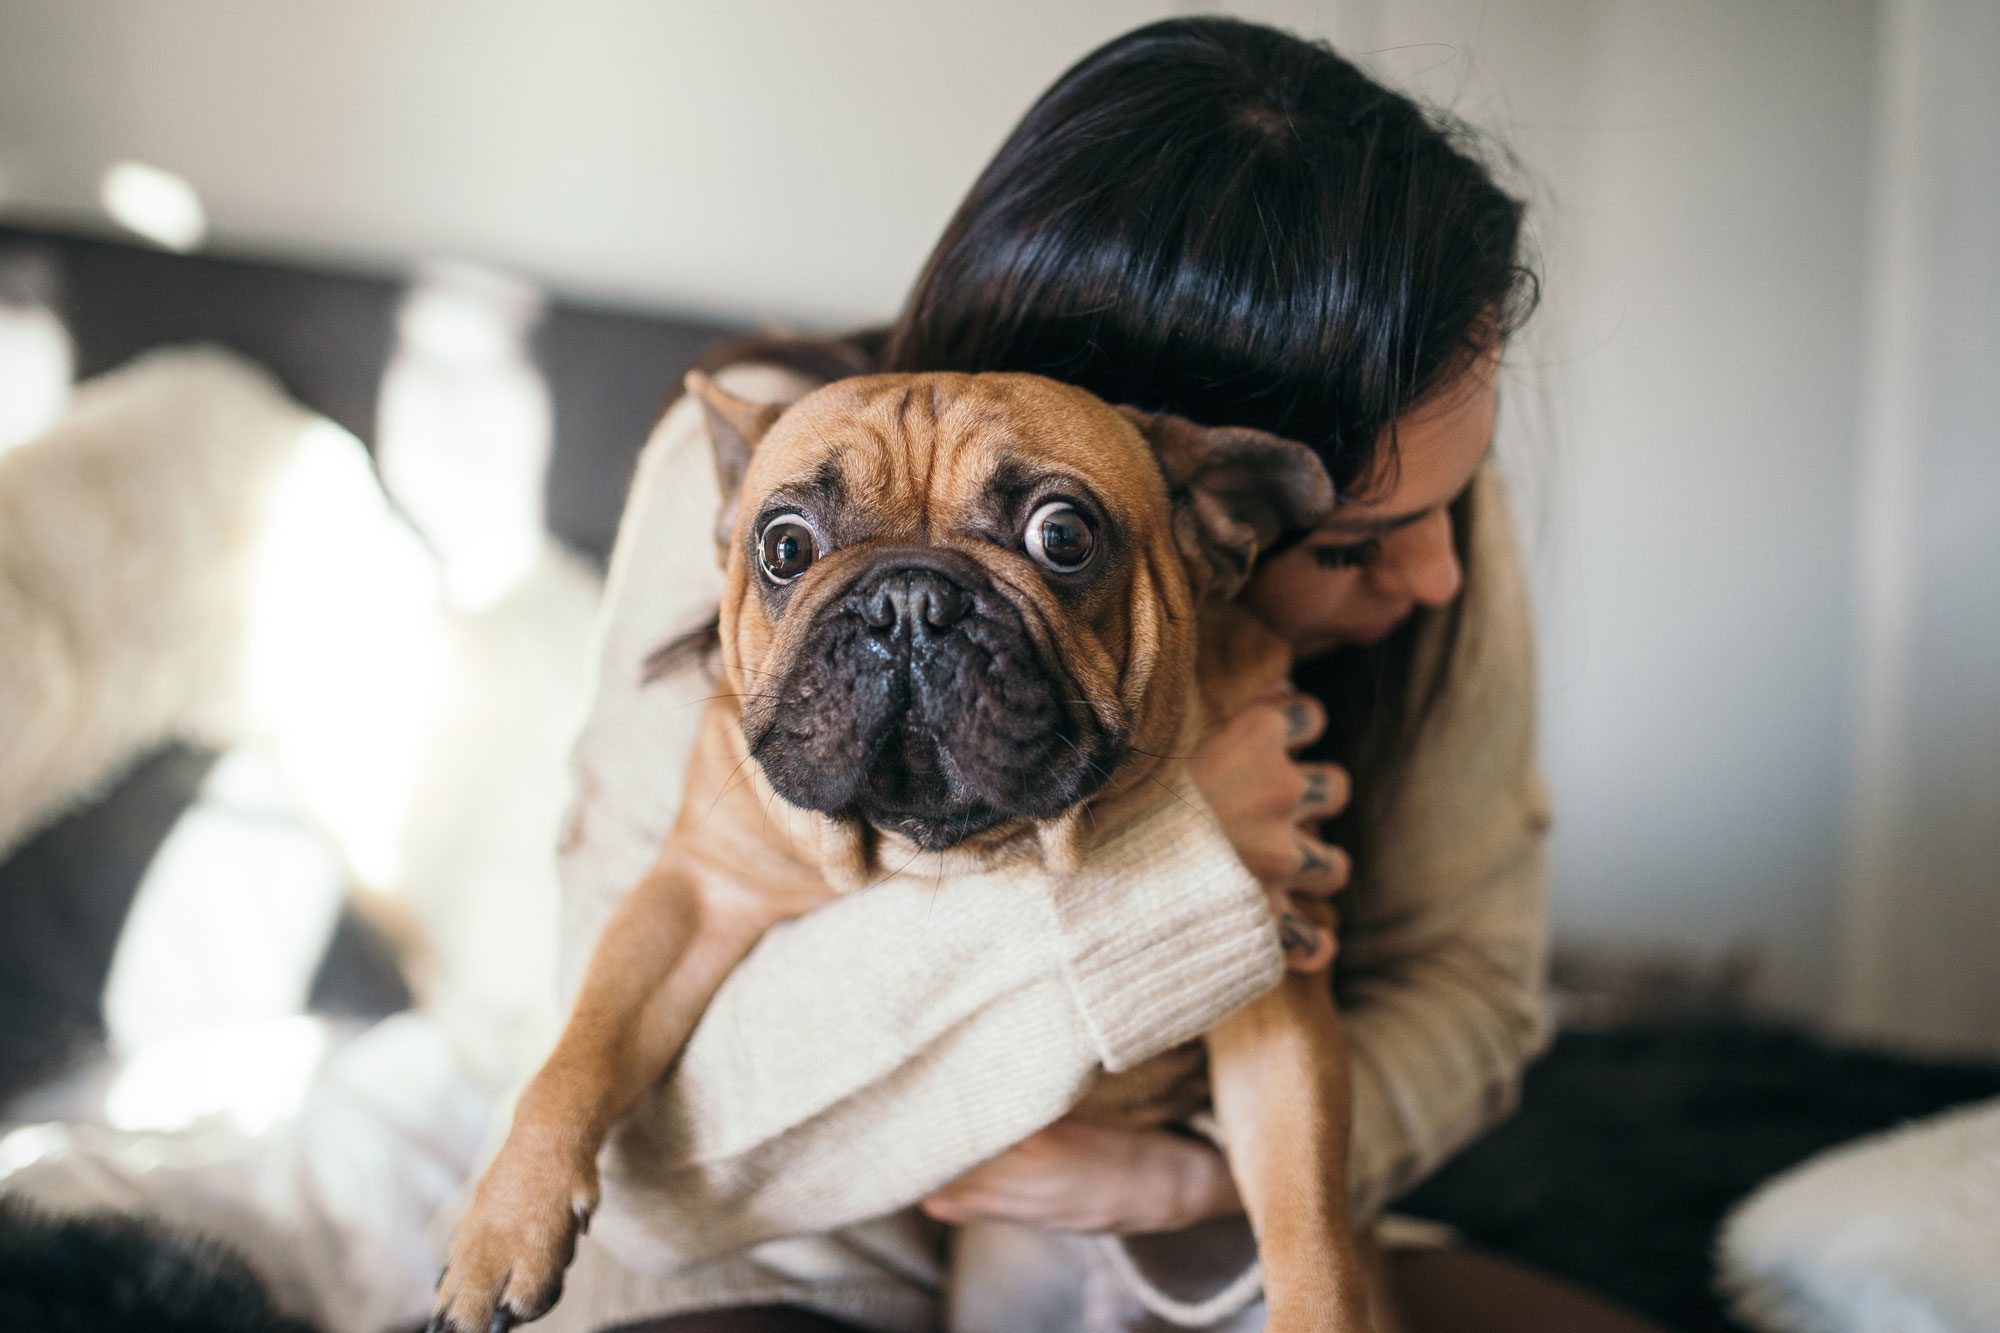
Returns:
(509,1254)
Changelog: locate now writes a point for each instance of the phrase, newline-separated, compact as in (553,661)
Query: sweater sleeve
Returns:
(1440,976)
(869,1052)
(1444,946)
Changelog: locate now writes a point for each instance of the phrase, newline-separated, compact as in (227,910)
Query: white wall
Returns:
(1683,418)
(1924,877)
(1698,630)
(1682,429)
(790,159)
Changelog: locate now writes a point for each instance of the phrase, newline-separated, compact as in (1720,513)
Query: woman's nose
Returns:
(1420,562)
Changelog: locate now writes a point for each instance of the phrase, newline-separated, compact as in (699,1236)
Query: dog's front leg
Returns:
(657,965)
(1278,1071)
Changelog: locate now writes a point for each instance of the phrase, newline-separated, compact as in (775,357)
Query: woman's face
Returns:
(1388,550)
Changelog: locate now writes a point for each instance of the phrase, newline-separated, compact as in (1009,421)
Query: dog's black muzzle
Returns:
(921,704)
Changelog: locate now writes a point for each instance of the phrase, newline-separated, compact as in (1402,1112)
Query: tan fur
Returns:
(915,452)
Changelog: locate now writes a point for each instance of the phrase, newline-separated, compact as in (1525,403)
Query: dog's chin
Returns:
(934,817)
(935,830)
(920,807)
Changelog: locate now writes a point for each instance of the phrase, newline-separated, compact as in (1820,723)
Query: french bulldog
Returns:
(970,615)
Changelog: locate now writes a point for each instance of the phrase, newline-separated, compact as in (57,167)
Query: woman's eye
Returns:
(787,548)
(1059,537)
(1350,556)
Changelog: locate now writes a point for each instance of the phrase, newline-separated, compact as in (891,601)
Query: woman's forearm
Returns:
(1437,1051)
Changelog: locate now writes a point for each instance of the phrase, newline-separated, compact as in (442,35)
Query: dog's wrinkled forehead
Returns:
(945,453)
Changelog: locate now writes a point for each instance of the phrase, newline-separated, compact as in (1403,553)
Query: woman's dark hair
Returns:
(1220,220)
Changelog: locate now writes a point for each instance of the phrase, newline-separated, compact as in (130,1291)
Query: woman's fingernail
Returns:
(1298,720)
(1297,934)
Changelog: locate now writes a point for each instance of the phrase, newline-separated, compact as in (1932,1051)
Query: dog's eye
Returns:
(787,548)
(1060,537)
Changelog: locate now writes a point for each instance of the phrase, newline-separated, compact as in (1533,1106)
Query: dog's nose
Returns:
(921,599)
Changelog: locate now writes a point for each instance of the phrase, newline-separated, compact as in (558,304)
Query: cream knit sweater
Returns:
(877,1048)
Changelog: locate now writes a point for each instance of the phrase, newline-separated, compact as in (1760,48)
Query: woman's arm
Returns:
(1443,953)
(1075,1176)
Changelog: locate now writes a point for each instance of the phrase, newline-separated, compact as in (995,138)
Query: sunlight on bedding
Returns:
(344,647)
(253,1076)
(232,917)
(464,427)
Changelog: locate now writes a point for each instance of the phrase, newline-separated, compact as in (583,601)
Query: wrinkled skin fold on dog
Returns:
(973,616)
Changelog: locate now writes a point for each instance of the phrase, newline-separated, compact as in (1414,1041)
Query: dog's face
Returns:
(960,606)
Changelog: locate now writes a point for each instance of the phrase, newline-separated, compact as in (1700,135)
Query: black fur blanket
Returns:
(118,1275)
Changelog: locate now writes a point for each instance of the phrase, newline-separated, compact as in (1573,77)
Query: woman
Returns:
(1218,220)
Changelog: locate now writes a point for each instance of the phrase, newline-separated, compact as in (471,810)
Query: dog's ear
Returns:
(1235,491)
(735,425)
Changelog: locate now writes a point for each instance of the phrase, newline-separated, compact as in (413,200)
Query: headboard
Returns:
(328,335)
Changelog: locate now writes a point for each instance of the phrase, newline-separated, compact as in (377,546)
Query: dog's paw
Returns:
(506,1261)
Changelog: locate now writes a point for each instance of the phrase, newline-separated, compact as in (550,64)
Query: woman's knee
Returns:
(1466,1291)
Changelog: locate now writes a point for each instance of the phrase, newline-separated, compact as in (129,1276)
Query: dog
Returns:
(982,614)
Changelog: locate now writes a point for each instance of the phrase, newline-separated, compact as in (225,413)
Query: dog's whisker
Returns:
(898,870)
(707,699)
(1088,812)
(1081,755)
(726,783)
(748,774)
(1150,777)
(1209,816)
(1153,754)
(937,887)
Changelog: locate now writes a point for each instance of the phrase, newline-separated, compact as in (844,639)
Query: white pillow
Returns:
(1899,1233)
(129,532)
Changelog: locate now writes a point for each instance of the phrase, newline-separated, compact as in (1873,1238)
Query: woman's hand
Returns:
(1075,1176)
(1267,803)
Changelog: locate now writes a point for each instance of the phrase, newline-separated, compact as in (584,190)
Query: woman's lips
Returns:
(1370,635)
(1365,636)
